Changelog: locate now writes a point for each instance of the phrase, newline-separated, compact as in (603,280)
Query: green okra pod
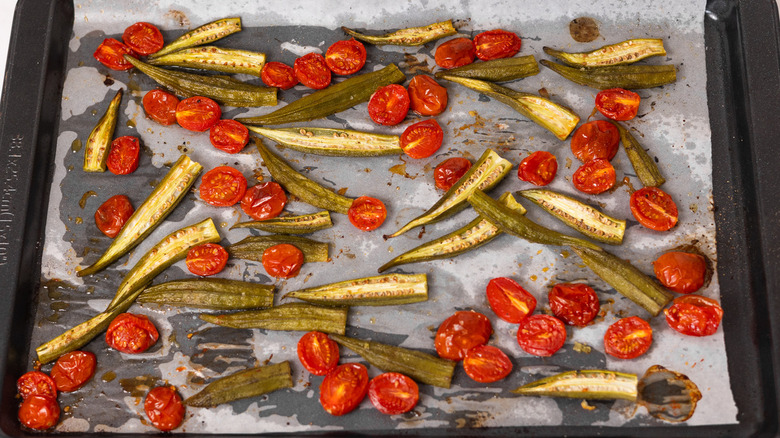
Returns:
(496,70)
(252,247)
(243,384)
(412,36)
(643,164)
(626,52)
(585,384)
(286,317)
(210,293)
(208,33)
(214,58)
(99,140)
(303,224)
(382,290)
(631,77)
(333,142)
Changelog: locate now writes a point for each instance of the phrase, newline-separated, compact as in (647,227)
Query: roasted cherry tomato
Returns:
(539,168)
(694,315)
(264,201)
(628,338)
(160,106)
(422,139)
(131,333)
(222,186)
(164,408)
(509,300)
(495,44)
(344,388)
(456,52)
(487,364)
(318,353)
(111,216)
(312,71)
(574,303)
(229,136)
(277,74)
(594,177)
(282,260)
(427,97)
(654,208)
(682,272)
(36,383)
(449,171)
(123,156)
(617,103)
(111,53)
(143,38)
(541,335)
(594,140)
(206,259)
(393,393)
(72,370)
(198,113)
(39,412)
(367,213)
(461,332)
(346,57)
(389,104)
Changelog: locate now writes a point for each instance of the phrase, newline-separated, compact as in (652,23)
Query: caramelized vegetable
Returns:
(630,77)
(413,36)
(497,70)
(626,52)
(99,140)
(303,224)
(584,384)
(243,384)
(210,293)
(292,316)
(383,290)
(252,247)
(208,33)
(333,142)
(644,165)
(214,58)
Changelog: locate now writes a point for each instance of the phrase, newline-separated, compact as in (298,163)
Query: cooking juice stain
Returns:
(85,196)
(138,386)
(76,145)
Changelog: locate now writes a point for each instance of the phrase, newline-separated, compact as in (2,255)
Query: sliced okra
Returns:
(303,224)
(243,384)
(643,164)
(626,52)
(333,142)
(208,33)
(382,290)
(252,247)
(214,58)
(286,317)
(631,77)
(210,293)
(99,140)
(584,384)
(412,36)
(496,70)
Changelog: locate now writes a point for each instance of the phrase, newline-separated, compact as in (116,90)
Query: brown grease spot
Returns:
(584,29)
(85,196)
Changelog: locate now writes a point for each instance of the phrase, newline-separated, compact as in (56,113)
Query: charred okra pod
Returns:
(626,52)
(208,33)
(210,293)
(382,290)
(333,142)
(214,58)
(303,224)
(631,77)
(585,384)
(99,140)
(412,36)
(496,70)
(292,316)
(252,247)
(243,384)
(644,165)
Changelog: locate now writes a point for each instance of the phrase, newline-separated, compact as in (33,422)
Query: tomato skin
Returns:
(509,300)
(206,259)
(694,315)
(460,332)
(487,364)
(164,408)
(367,213)
(422,139)
(73,370)
(617,103)
(131,333)
(280,75)
(264,201)
(318,353)
(160,106)
(346,57)
(628,338)
(312,71)
(594,177)
(539,168)
(282,260)
(427,97)
(654,208)
(198,113)
(36,383)
(143,38)
(449,171)
(393,393)
(229,136)
(495,44)
(682,272)
(222,186)
(456,52)
(594,140)
(541,335)
(389,105)
(111,54)
(342,389)
(111,216)
(574,303)
(123,155)
(39,412)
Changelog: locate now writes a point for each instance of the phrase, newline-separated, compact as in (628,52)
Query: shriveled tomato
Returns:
(456,52)
(312,71)
(495,44)
(342,390)
(541,335)
(694,315)
(111,216)
(393,393)
(131,333)
(282,260)
(449,171)
(617,103)
(628,338)
(206,259)
(367,213)
(682,272)
(487,364)
(36,383)
(422,139)
(160,106)
(574,303)
(461,332)
(346,57)
(654,208)
(72,370)
(539,168)
(594,177)
(318,353)
(509,300)
(229,136)
(594,140)
(222,186)
(427,97)
(144,38)
(389,105)
(277,74)
(198,113)
(123,156)
(111,54)
(264,201)
(39,412)
(164,408)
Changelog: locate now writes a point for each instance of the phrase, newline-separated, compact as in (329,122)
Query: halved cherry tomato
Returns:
(346,57)
(541,335)
(628,338)
(422,139)
(389,104)
(131,333)
(367,213)
(144,38)
(461,332)
(487,364)
(39,412)
(617,103)
(198,113)
(594,177)
(495,44)
(654,208)
(164,408)
(318,353)
(111,216)
(427,97)
(222,186)
(312,71)
(509,300)
(694,315)
(160,106)
(539,168)
(277,74)
(123,156)
(456,52)
(682,272)
(574,303)
(393,393)
(449,171)
(344,388)
(282,260)
(36,383)
(594,140)
(111,54)
(206,259)
(264,201)
(72,370)
(229,136)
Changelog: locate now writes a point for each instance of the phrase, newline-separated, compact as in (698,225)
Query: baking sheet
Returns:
(674,126)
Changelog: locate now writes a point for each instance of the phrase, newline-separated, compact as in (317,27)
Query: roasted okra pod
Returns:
(412,36)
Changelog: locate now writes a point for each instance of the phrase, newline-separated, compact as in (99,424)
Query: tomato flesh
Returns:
(123,155)
(682,272)
(39,412)
(427,97)
(654,208)
(36,383)
(367,213)
(422,139)
(509,300)
(143,38)
(222,186)
(595,140)
(160,106)
(198,113)
(111,216)
(461,332)
(456,52)
(164,408)
(277,74)
(206,259)
(346,57)
(487,364)
(312,71)
(541,335)
(111,54)
(393,393)
(73,370)
(264,201)
(618,103)
(496,44)
(594,177)
(131,333)
(539,168)
(449,171)
(628,338)
(282,260)
(318,353)
(229,136)
(342,389)
(574,303)
(389,105)
(694,315)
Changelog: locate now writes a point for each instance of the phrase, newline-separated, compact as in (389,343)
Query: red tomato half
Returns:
(164,408)
(539,168)
(449,171)
(198,113)
(456,52)
(39,412)
(318,353)
(111,216)
(617,103)
(312,71)
(594,177)
(277,74)
(131,333)
(367,213)
(422,139)
(123,156)
(389,104)
(461,332)
(160,106)
(574,303)
(509,300)
(144,38)
(346,57)
(206,259)
(72,370)
(111,54)
(541,335)
(282,260)
(628,338)
(594,140)
(427,97)
(694,315)
(222,186)
(487,364)
(264,201)
(495,44)
(36,383)
(229,136)
(344,388)
(393,393)
(682,272)
(654,208)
